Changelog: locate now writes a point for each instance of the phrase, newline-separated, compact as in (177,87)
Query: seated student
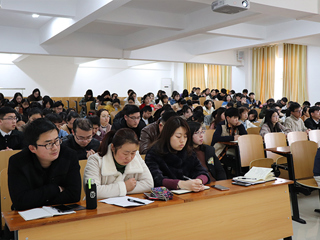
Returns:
(57,120)
(58,107)
(146,115)
(44,173)
(128,92)
(16,101)
(272,124)
(175,98)
(222,94)
(243,113)
(117,167)
(185,112)
(205,153)
(228,130)
(146,102)
(96,133)
(131,119)
(253,116)
(134,96)
(197,116)
(115,106)
(227,99)
(314,121)
(35,96)
(81,139)
(208,107)
(252,101)
(178,106)
(83,102)
(242,102)
(150,133)
(71,117)
(47,102)
(34,113)
(294,121)
(10,138)
(171,160)
(266,106)
(216,117)
(283,103)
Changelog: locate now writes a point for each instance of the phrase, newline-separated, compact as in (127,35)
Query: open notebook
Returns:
(182,191)
(43,212)
(256,175)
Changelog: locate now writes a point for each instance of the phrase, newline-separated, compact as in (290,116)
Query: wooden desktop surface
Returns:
(256,212)
(280,150)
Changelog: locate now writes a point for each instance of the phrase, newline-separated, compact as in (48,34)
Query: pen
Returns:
(135,201)
(185,177)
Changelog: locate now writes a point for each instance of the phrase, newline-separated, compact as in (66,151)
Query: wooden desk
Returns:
(255,212)
(286,152)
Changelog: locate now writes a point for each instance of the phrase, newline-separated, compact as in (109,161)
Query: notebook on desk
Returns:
(256,175)
(182,191)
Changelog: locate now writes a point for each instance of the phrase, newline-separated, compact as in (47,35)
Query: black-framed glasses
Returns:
(134,118)
(10,118)
(200,132)
(82,139)
(49,146)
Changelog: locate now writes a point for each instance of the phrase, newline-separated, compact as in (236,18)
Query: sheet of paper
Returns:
(123,201)
(182,191)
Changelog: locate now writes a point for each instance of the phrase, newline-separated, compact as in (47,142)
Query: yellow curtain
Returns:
(219,77)
(194,76)
(295,72)
(263,72)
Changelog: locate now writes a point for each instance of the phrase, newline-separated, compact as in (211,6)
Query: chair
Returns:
(5,196)
(143,156)
(257,123)
(251,148)
(217,104)
(303,154)
(4,158)
(272,140)
(258,111)
(314,135)
(296,136)
(262,162)
(254,130)
(82,164)
(65,101)
(202,100)
(112,115)
(207,138)
(88,106)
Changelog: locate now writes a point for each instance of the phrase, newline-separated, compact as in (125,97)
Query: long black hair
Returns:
(268,121)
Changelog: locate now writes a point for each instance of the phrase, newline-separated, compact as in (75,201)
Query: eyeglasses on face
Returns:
(10,118)
(49,146)
(83,139)
(134,118)
(200,132)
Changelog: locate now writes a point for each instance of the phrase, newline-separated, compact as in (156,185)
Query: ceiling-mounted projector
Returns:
(230,6)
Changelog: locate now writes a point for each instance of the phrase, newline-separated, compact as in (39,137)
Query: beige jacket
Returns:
(110,182)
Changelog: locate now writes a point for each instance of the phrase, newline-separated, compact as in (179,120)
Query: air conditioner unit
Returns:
(240,55)
(230,6)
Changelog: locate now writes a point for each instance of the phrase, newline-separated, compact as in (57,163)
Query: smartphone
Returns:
(242,184)
(63,208)
(219,187)
(76,207)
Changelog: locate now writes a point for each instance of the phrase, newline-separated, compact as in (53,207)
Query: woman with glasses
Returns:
(171,160)
(117,167)
(205,153)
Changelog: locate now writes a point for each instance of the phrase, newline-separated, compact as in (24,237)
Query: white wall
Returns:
(60,76)
(313,74)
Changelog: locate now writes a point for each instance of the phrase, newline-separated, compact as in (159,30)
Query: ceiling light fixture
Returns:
(35,15)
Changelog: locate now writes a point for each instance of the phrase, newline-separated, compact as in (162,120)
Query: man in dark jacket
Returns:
(10,139)
(44,173)
(314,121)
(131,119)
(150,133)
(81,139)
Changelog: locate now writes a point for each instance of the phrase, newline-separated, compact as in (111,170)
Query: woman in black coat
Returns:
(171,160)
(205,153)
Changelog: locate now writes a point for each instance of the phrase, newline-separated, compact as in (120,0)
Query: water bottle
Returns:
(91,194)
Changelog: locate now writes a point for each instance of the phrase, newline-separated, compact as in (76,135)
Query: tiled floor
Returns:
(311,230)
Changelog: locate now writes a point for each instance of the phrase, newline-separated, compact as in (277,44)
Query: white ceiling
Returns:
(152,30)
